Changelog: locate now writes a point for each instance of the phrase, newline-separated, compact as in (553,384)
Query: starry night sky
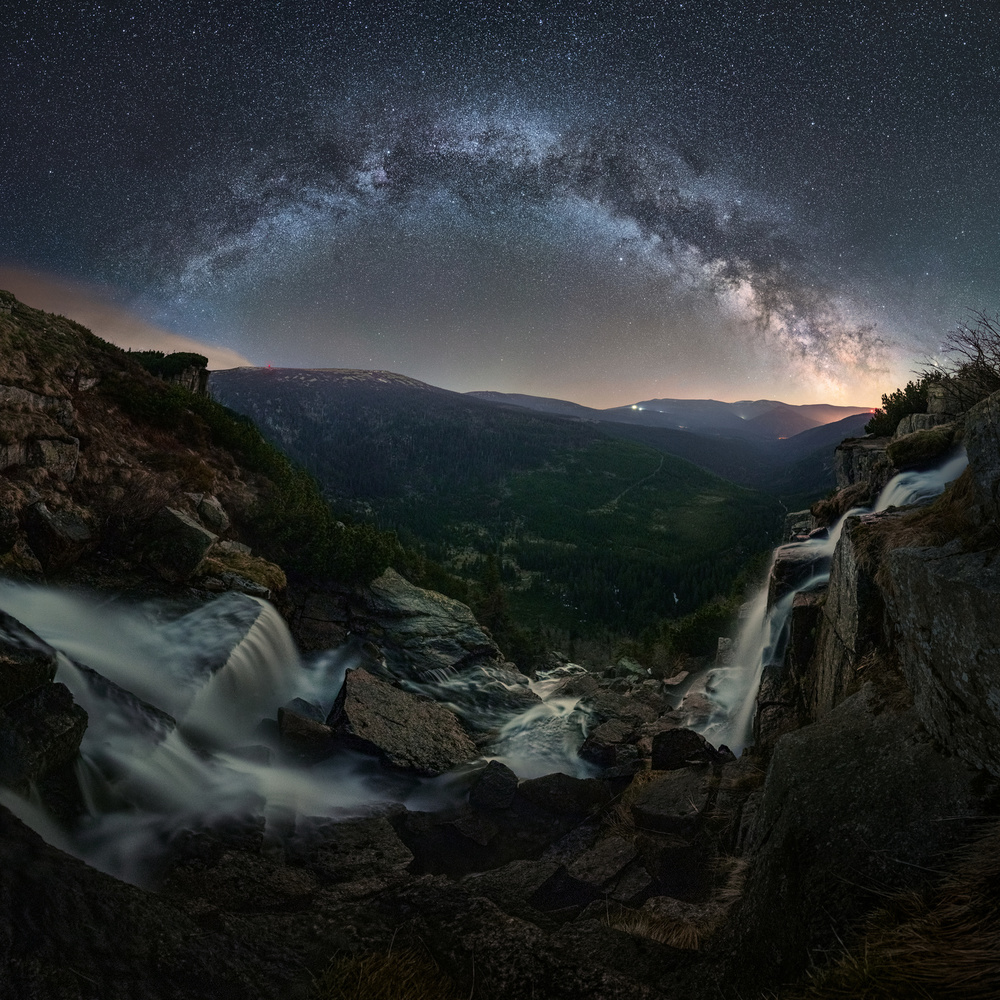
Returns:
(599,201)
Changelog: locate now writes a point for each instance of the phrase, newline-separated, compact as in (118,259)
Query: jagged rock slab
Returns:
(26,661)
(495,787)
(178,544)
(39,733)
(856,805)
(427,631)
(982,443)
(304,738)
(675,801)
(858,460)
(403,730)
(946,607)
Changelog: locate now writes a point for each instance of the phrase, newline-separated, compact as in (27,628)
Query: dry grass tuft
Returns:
(686,926)
(267,574)
(944,944)
(400,975)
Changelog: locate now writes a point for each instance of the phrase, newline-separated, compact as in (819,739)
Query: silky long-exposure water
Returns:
(175,701)
(172,741)
(732,690)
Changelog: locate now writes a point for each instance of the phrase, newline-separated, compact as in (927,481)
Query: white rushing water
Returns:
(174,741)
(217,672)
(732,690)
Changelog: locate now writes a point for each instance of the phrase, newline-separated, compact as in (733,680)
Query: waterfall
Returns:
(732,690)
(175,697)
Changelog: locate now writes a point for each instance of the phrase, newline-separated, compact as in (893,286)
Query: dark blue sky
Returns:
(600,201)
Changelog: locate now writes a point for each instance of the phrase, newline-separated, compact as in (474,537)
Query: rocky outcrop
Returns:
(40,725)
(862,460)
(921,422)
(945,609)
(858,802)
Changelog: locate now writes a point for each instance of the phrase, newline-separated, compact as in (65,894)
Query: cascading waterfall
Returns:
(174,702)
(732,690)
(175,699)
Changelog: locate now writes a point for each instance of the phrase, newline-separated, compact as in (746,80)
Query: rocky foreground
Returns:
(674,870)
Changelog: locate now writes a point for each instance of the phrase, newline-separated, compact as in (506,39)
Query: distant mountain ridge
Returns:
(761,419)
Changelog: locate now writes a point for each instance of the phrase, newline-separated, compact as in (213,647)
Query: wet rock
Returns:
(57,538)
(852,626)
(495,787)
(675,801)
(39,732)
(178,544)
(793,566)
(422,631)
(303,738)
(26,662)
(610,744)
(405,731)
(123,709)
(798,522)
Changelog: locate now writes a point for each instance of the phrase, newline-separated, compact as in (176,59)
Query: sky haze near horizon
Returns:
(603,202)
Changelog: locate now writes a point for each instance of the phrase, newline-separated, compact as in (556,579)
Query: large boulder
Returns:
(39,733)
(420,630)
(859,803)
(26,661)
(675,801)
(403,730)
(58,537)
(178,544)
(793,566)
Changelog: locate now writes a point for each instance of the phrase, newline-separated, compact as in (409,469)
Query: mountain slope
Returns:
(588,528)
